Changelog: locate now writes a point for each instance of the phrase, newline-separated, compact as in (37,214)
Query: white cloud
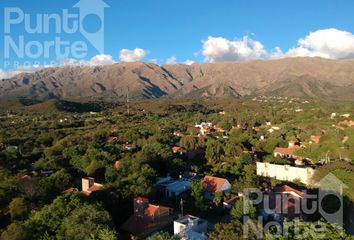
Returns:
(3,74)
(218,49)
(276,53)
(101,59)
(20,69)
(188,62)
(327,43)
(134,55)
(171,60)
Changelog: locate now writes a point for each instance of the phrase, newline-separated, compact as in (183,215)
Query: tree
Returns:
(87,221)
(298,229)
(197,193)
(163,236)
(218,198)
(214,151)
(231,231)
(134,178)
(177,167)
(15,231)
(243,208)
(19,209)
(188,142)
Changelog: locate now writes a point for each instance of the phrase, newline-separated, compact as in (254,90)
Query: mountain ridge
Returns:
(299,77)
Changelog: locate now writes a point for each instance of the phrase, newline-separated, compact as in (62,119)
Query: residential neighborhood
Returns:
(179,177)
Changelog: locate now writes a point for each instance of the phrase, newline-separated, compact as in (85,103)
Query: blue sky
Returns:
(178,28)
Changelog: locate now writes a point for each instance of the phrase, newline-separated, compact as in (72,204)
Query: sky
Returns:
(182,31)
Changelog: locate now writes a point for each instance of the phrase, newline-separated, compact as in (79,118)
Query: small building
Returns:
(89,186)
(190,227)
(174,187)
(282,203)
(147,218)
(178,150)
(348,123)
(215,184)
(286,152)
(178,187)
(69,191)
(204,128)
(315,139)
(111,139)
(228,204)
(116,164)
(128,146)
(285,172)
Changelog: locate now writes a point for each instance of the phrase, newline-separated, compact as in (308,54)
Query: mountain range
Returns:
(295,77)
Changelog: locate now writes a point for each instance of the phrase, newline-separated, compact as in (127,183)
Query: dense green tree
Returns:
(243,208)
(188,142)
(163,236)
(298,229)
(19,208)
(15,231)
(177,167)
(232,231)
(197,192)
(214,152)
(134,178)
(87,221)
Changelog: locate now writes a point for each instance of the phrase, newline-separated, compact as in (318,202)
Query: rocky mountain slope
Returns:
(298,77)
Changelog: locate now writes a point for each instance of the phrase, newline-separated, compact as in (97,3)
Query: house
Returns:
(218,129)
(178,150)
(190,227)
(178,133)
(89,186)
(147,218)
(282,203)
(116,164)
(348,123)
(239,126)
(111,139)
(286,152)
(215,184)
(69,191)
(228,204)
(315,139)
(128,146)
(285,172)
(174,187)
(204,128)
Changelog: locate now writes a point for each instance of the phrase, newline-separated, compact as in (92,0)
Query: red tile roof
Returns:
(69,190)
(213,184)
(177,149)
(231,202)
(116,164)
(141,200)
(315,139)
(111,139)
(349,123)
(151,210)
(287,188)
(284,151)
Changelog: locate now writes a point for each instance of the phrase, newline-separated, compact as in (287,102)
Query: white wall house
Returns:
(285,172)
(190,227)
